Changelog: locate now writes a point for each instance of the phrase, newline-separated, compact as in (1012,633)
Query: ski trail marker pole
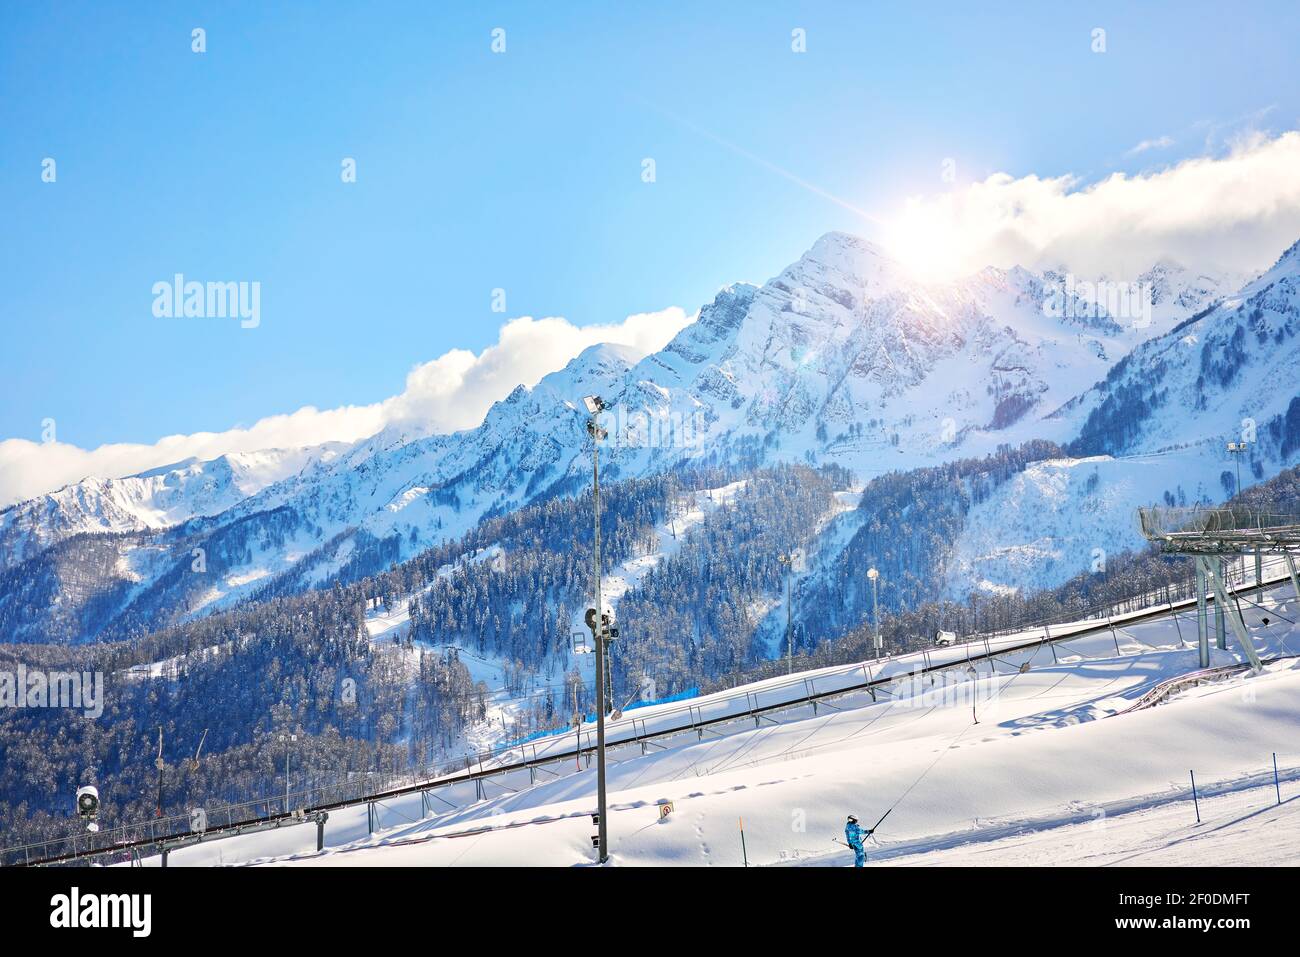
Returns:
(1276,786)
(1195,800)
(743,852)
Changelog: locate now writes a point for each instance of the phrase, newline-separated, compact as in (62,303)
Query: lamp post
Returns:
(597,622)
(787,562)
(287,739)
(1237,448)
(160,764)
(875,609)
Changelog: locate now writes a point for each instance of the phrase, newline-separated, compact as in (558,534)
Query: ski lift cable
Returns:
(755,739)
(1271,611)
(838,741)
(948,747)
(713,745)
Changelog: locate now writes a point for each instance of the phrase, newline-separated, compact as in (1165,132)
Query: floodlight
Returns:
(88,802)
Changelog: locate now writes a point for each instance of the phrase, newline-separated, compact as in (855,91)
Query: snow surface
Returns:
(1240,826)
(1049,757)
(1060,516)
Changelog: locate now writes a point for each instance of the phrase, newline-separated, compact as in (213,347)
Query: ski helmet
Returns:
(852,819)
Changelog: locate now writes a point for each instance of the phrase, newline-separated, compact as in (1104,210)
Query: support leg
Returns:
(1224,610)
(1202,617)
(1220,610)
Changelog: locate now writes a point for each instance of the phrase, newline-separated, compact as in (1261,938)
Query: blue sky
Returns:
(519,171)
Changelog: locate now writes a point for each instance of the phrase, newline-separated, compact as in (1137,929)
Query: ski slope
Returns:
(1240,826)
(1050,755)
(387,627)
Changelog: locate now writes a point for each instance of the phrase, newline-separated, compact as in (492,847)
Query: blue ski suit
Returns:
(853,835)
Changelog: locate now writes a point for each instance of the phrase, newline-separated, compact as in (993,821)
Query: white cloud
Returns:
(1159,143)
(451,392)
(455,390)
(33,468)
(1235,212)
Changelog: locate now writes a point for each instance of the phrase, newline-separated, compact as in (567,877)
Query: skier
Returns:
(853,836)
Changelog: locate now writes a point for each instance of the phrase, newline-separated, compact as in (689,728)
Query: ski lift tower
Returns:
(1208,536)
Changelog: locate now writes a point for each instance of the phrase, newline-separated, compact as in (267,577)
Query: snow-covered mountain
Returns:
(1227,370)
(1155,430)
(842,358)
(1176,292)
(156,499)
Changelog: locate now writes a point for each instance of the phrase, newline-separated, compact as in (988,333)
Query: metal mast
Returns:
(597,622)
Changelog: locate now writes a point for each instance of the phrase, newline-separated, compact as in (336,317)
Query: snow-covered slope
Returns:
(1062,516)
(1026,751)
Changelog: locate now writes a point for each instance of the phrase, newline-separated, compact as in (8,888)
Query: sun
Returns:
(927,243)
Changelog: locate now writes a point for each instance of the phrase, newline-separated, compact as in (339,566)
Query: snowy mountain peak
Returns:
(1290,259)
(154,499)
(608,356)
(1174,290)
(1204,377)
(838,248)
(845,262)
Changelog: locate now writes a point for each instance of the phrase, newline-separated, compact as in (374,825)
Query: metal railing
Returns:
(1233,524)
